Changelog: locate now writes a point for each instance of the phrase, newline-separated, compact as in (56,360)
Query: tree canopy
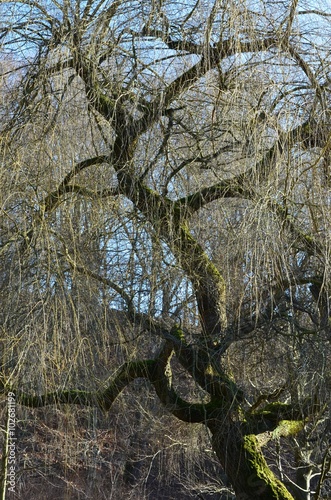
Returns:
(167,164)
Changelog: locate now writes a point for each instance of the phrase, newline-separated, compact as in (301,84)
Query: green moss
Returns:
(288,428)
(262,479)
(209,370)
(177,332)
(275,411)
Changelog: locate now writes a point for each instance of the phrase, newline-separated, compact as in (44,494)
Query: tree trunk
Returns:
(244,463)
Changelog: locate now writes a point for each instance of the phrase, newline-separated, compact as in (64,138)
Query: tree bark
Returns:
(244,463)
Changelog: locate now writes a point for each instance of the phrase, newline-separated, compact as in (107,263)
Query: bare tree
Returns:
(172,161)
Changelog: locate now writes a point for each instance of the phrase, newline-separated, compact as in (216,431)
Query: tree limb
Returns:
(155,370)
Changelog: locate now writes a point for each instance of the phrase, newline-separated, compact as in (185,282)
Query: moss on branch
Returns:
(261,478)
(287,428)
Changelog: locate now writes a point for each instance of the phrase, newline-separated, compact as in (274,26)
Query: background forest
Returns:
(165,248)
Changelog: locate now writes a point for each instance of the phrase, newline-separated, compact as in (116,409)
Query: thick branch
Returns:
(224,48)
(244,184)
(205,63)
(155,370)
(161,378)
(168,220)
(199,363)
(128,130)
